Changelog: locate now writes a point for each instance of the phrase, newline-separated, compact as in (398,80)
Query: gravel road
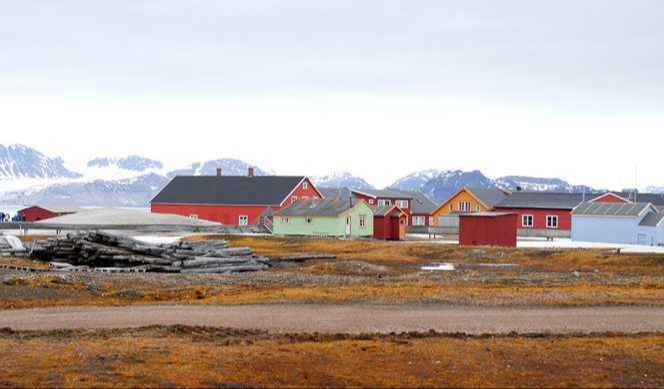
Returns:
(353,319)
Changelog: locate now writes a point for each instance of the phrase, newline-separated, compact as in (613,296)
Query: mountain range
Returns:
(142,178)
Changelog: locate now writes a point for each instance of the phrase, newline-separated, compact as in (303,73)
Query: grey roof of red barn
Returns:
(228,190)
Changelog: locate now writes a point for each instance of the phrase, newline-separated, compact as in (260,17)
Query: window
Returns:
(403,204)
(305,185)
(363,221)
(384,202)
(293,199)
(308,221)
(527,221)
(418,220)
(464,206)
(451,207)
(244,220)
(284,220)
(478,208)
(430,220)
(371,201)
(193,216)
(552,221)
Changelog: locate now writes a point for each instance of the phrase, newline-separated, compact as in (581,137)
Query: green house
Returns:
(325,217)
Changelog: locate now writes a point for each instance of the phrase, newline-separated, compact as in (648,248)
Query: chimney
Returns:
(218,170)
(250,171)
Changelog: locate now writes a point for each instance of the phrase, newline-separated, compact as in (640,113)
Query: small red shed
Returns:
(488,229)
(390,222)
(36,213)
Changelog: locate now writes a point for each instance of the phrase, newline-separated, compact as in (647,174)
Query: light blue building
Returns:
(626,223)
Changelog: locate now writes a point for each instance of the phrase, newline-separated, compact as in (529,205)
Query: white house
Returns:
(630,223)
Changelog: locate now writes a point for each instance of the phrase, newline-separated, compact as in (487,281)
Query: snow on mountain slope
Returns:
(341,180)
(133,162)
(23,162)
(655,189)
(540,184)
(440,184)
(131,192)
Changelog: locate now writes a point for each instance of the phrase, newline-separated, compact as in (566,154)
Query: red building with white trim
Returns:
(232,200)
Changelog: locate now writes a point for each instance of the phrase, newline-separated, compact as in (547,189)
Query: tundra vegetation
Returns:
(363,272)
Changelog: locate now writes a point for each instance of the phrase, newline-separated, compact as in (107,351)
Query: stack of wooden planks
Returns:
(120,253)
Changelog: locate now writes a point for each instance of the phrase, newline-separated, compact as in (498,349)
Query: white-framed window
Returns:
(552,221)
(478,208)
(308,220)
(403,204)
(418,220)
(193,216)
(464,206)
(363,221)
(305,185)
(527,221)
(382,202)
(243,220)
(293,199)
(431,220)
(285,220)
(371,201)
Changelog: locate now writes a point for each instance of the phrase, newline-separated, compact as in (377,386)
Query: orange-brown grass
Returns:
(200,357)
(417,253)
(391,274)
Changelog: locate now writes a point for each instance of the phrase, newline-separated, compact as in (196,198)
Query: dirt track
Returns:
(347,319)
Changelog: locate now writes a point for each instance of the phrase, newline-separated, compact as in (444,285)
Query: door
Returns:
(349,220)
(244,220)
(642,239)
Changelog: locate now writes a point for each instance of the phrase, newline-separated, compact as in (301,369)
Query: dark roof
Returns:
(489,196)
(486,214)
(544,200)
(421,203)
(384,210)
(313,207)
(656,199)
(56,208)
(610,209)
(333,193)
(235,190)
(652,219)
(383,193)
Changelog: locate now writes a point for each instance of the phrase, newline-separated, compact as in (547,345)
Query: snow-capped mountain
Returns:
(130,192)
(134,163)
(417,180)
(229,167)
(538,184)
(21,162)
(341,180)
(440,184)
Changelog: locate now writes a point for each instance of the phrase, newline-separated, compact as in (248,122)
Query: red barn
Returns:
(390,222)
(487,229)
(381,198)
(548,214)
(36,213)
(232,200)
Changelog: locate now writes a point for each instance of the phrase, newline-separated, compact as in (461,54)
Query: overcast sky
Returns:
(381,88)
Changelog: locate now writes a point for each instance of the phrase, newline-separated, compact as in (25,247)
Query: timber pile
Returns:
(116,253)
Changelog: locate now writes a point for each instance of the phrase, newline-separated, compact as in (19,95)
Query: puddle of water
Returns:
(439,267)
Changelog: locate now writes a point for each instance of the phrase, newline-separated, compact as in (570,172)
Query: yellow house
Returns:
(467,200)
